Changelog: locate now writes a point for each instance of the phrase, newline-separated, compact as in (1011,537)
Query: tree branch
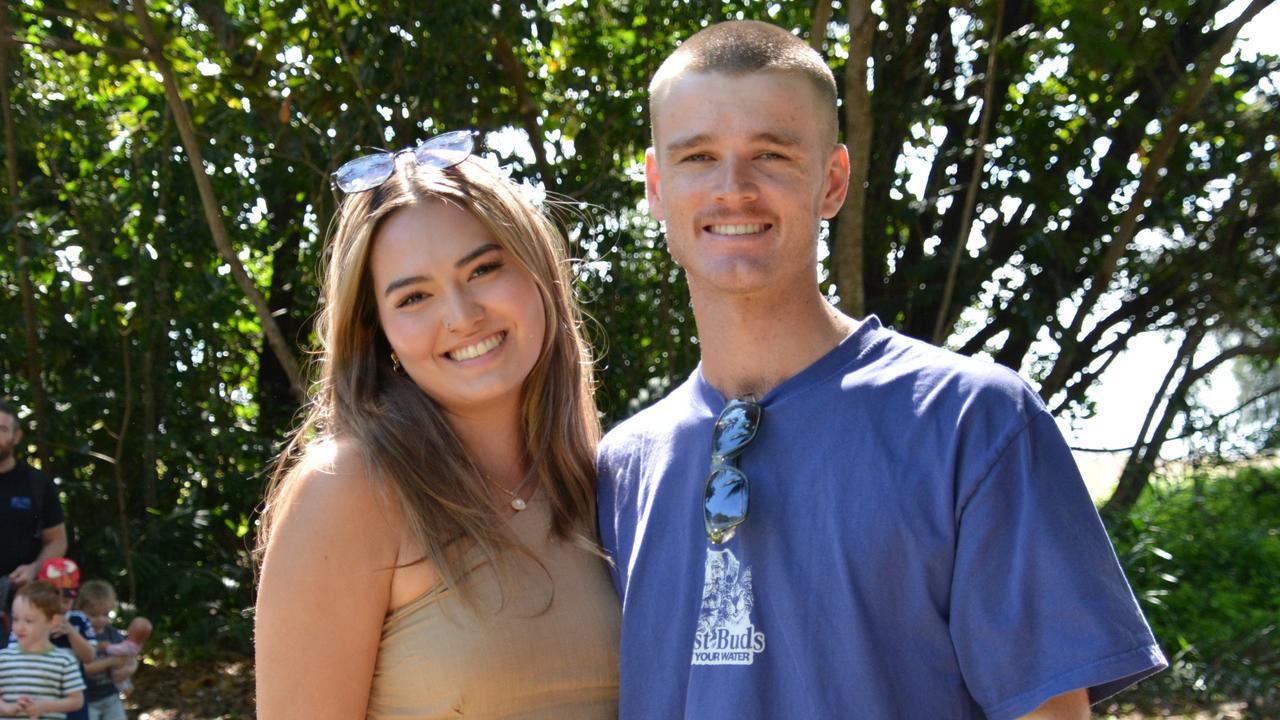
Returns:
(345,54)
(68,46)
(1219,417)
(67,14)
(975,180)
(859,131)
(213,216)
(1156,161)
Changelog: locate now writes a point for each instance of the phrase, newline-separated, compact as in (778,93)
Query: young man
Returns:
(918,544)
(31,524)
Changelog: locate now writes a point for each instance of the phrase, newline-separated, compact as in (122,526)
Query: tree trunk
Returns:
(818,30)
(276,408)
(31,336)
(526,109)
(847,245)
(117,468)
(213,216)
(150,413)
(1142,457)
(152,335)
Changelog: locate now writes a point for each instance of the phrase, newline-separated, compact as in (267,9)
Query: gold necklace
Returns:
(517,503)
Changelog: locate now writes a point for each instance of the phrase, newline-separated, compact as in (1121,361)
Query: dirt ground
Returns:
(204,690)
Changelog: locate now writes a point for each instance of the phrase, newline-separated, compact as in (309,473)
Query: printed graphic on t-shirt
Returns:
(20,503)
(725,635)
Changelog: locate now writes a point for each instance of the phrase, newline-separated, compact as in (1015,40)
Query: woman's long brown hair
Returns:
(410,453)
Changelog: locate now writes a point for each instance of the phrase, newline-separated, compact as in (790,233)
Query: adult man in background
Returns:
(32,529)
(919,542)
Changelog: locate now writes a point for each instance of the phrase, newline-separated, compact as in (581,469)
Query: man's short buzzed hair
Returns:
(740,47)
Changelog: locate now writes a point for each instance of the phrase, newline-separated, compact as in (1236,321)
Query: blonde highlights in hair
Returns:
(410,453)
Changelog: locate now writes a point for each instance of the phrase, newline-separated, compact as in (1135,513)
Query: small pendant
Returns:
(518,503)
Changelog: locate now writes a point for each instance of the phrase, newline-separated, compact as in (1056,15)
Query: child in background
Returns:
(38,680)
(117,655)
(75,632)
(136,637)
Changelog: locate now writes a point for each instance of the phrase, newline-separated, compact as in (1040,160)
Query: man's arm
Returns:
(1072,705)
(53,543)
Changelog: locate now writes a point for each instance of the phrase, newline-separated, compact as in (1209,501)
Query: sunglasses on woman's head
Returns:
(370,171)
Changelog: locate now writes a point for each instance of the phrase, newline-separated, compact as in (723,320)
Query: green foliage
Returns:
(164,405)
(1204,559)
(192,570)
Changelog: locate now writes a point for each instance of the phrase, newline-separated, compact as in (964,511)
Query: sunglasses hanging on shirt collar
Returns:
(727,493)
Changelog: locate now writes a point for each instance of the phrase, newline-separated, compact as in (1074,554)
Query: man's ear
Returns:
(17,435)
(836,181)
(652,177)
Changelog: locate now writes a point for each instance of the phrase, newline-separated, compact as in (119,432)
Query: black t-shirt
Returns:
(28,504)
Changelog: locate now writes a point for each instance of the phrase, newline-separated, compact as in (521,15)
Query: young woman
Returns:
(427,544)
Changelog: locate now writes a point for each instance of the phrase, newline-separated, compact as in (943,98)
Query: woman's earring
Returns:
(395,363)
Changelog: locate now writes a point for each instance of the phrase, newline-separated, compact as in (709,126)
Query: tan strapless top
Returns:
(550,652)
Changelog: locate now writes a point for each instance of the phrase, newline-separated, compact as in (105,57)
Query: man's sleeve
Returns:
(606,514)
(1039,603)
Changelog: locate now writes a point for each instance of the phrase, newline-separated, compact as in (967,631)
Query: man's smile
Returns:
(737,229)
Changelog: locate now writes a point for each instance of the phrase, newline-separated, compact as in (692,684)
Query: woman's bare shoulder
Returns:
(329,458)
(330,490)
(329,563)
(330,466)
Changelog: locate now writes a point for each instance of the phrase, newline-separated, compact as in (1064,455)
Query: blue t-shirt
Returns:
(80,622)
(919,544)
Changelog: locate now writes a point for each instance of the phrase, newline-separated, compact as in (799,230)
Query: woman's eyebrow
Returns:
(411,279)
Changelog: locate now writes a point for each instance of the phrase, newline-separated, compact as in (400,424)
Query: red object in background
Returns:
(62,573)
